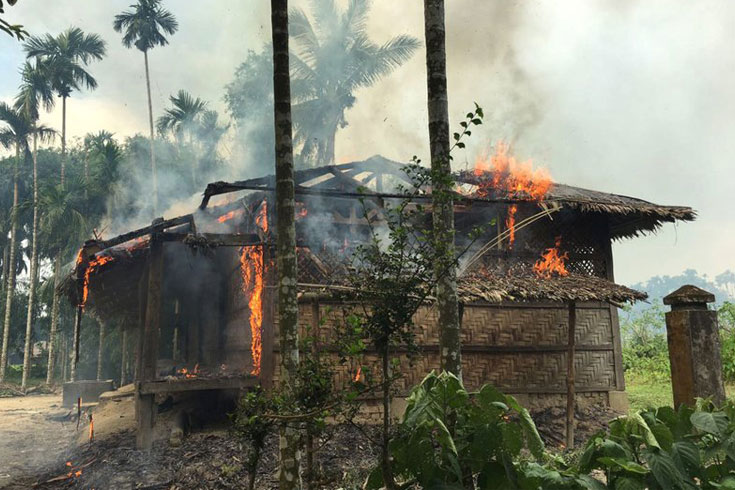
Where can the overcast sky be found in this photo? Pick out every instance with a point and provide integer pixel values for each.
(631, 97)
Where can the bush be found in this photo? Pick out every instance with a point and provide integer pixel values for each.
(448, 437)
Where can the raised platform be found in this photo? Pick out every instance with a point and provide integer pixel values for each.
(88, 390)
(196, 384)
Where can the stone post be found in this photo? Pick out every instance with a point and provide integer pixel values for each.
(694, 346)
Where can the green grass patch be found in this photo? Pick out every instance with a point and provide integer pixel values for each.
(646, 393)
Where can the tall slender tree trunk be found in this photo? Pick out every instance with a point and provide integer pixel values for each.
(10, 283)
(290, 456)
(154, 173)
(63, 141)
(443, 204)
(54, 320)
(27, 350)
(101, 349)
(385, 462)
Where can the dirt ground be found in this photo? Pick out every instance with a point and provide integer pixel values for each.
(38, 438)
(35, 435)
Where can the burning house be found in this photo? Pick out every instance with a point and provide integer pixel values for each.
(537, 291)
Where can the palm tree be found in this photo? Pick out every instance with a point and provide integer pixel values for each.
(67, 55)
(288, 308)
(183, 120)
(35, 91)
(63, 226)
(443, 208)
(18, 127)
(144, 28)
(334, 58)
(184, 117)
(94, 143)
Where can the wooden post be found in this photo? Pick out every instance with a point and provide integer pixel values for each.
(100, 350)
(77, 330)
(571, 402)
(146, 403)
(123, 356)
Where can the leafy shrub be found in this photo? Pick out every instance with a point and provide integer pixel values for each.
(645, 349)
(448, 437)
(251, 424)
(726, 317)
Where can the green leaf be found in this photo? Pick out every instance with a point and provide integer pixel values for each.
(493, 477)
(512, 438)
(728, 483)
(628, 483)
(533, 476)
(456, 136)
(589, 483)
(463, 124)
(374, 480)
(664, 470)
(460, 145)
(477, 121)
(686, 456)
(623, 464)
(710, 422)
(663, 435)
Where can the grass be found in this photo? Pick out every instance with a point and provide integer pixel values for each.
(645, 393)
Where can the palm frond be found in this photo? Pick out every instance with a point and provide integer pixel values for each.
(45, 134)
(370, 65)
(355, 17)
(325, 14)
(305, 39)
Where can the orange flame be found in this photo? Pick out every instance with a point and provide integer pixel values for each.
(503, 174)
(358, 374)
(251, 268)
(552, 262)
(91, 428)
(301, 211)
(189, 374)
(92, 266)
(226, 217)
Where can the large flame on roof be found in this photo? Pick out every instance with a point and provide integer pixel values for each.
(552, 262)
(503, 176)
(94, 264)
(251, 268)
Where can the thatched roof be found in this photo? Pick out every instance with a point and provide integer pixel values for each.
(628, 216)
(492, 287)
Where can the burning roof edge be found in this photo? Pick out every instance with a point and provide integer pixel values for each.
(630, 216)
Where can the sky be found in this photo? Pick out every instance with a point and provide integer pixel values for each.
(624, 96)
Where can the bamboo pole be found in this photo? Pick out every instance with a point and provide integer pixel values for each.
(570, 374)
(77, 331)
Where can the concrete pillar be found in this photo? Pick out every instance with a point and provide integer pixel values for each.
(694, 346)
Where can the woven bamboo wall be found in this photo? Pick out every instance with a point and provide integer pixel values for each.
(520, 348)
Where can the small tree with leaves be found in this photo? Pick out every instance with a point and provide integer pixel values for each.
(393, 274)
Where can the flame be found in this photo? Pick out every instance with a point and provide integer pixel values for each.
(74, 471)
(503, 175)
(510, 224)
(358, 374)
(262, 217)
(226, 216)
(189, 374)
(91, 428)
(301, 211)
(92, 266)
(552, 262)
(251, 269)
